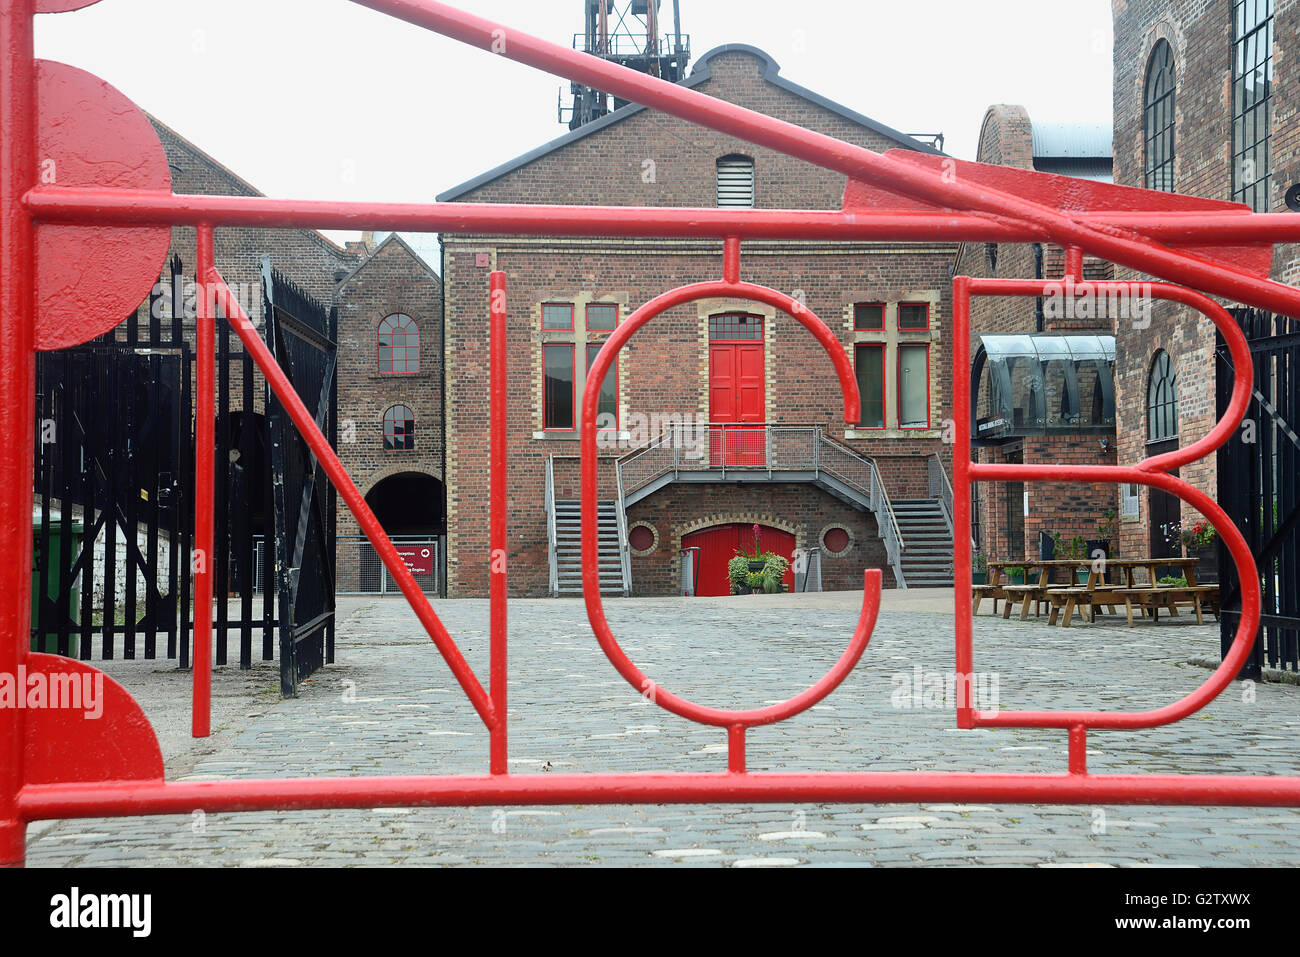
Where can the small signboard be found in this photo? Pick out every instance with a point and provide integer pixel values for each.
(418, 558)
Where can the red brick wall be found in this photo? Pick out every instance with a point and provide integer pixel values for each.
(390, 282)
(682, 509)
(1199, 31)
(665, 368)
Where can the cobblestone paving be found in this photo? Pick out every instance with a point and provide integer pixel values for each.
(390, 706)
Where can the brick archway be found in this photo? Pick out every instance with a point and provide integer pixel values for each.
(680, 531)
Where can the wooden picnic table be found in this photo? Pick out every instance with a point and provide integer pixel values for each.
(1039, 589)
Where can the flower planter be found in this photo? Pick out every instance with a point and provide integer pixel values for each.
(756, 568)
(1016, 578)
(1207, 564)
(979, 578)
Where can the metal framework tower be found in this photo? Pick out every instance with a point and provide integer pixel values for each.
(627, 33)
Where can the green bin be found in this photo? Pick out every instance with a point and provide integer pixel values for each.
(64, 533)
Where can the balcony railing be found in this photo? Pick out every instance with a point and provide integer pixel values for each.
(741, 451)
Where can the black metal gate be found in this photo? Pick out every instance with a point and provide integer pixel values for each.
(1259, 488)
(302, 335)
(114, 488)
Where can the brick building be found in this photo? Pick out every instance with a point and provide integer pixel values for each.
(796, 471)
(1042, 382)
(389, 374)
(1206, 101)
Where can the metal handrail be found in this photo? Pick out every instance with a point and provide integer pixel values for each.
(552, 536)
(624, 551)
(663, 455)
(690, 590)
(812, 557)
(941, 488)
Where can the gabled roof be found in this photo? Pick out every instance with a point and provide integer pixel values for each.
(392, 238)
(703, 72)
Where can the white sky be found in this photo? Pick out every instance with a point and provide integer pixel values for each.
(321, 99)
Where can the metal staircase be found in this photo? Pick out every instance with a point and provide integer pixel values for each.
(564, 544)
(927, 559)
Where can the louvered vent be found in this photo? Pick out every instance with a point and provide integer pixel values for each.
(736, 182)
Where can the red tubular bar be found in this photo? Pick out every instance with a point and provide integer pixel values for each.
(1127, 249)
(57, 204)
(351, 495)
(39, 802)
(1150, 472)
(608, 354)
(499, 760)
(17, 394)
(977, 214)
(205, 441)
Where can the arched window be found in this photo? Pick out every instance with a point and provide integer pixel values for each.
(1158, 103)
(399, 429)
(736, 182)
(1162, 400)
(399, 345)
(1252, 96)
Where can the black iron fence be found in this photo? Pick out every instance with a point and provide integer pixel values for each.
(1259, 488)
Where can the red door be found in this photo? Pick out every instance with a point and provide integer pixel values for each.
(736, 395)
(718, 545)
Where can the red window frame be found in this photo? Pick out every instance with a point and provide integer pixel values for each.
(390, 432)
(557, 305)
(922, 328)
(884, 390)
(928, 396)
(407, 332)
(613, 370)
(602, 305)
(573, 384)
(872, 305)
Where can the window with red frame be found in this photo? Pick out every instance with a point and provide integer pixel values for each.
(602, 316)
(399, 429)
(557, 386)
(607, 408)
(913, 386)
(869, 362)
(913, 316)
(399, 345)
(557, 316)
(869, 316)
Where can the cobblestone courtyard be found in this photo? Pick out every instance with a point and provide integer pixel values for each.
(390, 706)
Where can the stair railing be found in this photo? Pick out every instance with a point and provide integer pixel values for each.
(624, 549)
(941, 489)
(552, 537)
(829, 451)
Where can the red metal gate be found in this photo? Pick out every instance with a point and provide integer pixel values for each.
(100, 241)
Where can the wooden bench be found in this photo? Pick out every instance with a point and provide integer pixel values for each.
(1071, 597)
(1152, 599)
(1024, 594)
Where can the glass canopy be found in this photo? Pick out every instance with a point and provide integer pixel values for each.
(1042, 384)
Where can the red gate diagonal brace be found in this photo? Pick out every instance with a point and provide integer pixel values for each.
(933, 203)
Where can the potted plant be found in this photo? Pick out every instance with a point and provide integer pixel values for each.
(737, 571)
(754, 581)
(979, 574)
(1075, 550)
(1201, 541)
(1015, 575)
(774, 574)
(757, 560)
(1106, 532)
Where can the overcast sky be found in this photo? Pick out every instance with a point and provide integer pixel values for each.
(324, 99)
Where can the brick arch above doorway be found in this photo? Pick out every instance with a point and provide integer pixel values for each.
(740, 517)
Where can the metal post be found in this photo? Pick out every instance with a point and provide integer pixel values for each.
(497, 578)
(18, 386)
(204, 488)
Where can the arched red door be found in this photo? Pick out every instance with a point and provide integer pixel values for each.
(719, 544)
